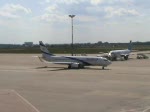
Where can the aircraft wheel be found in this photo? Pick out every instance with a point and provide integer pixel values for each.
(126, 57)
(103, 67)
(69, 66)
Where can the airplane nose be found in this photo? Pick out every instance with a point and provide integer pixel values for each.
(110, 54)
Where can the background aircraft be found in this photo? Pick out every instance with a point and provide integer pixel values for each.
(115, 54)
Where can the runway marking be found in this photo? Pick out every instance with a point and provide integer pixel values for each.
(136, 110)
(26, 101)
(14, 97)
(131, 110)
(146, 109)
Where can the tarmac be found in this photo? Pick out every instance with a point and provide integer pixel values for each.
(124, 86)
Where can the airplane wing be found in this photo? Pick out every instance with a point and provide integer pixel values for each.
(103, 55)
(63, 63)
(124, 54)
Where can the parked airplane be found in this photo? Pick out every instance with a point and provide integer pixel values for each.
(114, 54)
(72, 61)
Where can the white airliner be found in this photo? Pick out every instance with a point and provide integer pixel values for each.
(72, 61)
(114, 54)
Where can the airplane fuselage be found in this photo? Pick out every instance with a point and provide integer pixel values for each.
(119, 53)
(73, 61)
(83, 60)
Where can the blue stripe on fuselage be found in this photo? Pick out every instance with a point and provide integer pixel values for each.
(75, 59)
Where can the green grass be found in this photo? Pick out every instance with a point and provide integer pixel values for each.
(66, 50)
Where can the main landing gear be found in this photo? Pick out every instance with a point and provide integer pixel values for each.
(69, 66)
(126, 57)
(75, 66)
(103, 67)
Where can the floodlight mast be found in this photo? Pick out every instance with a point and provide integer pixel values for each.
(72, 16)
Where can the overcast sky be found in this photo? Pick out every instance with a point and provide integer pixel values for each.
(96, 20)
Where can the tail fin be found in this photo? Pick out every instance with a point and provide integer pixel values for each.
(130, 45)
(44, 50)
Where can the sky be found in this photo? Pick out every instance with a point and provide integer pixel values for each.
(96, 20)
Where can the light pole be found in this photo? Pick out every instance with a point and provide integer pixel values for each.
(72, 16)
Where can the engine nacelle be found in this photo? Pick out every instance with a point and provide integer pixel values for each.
(74, 65)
